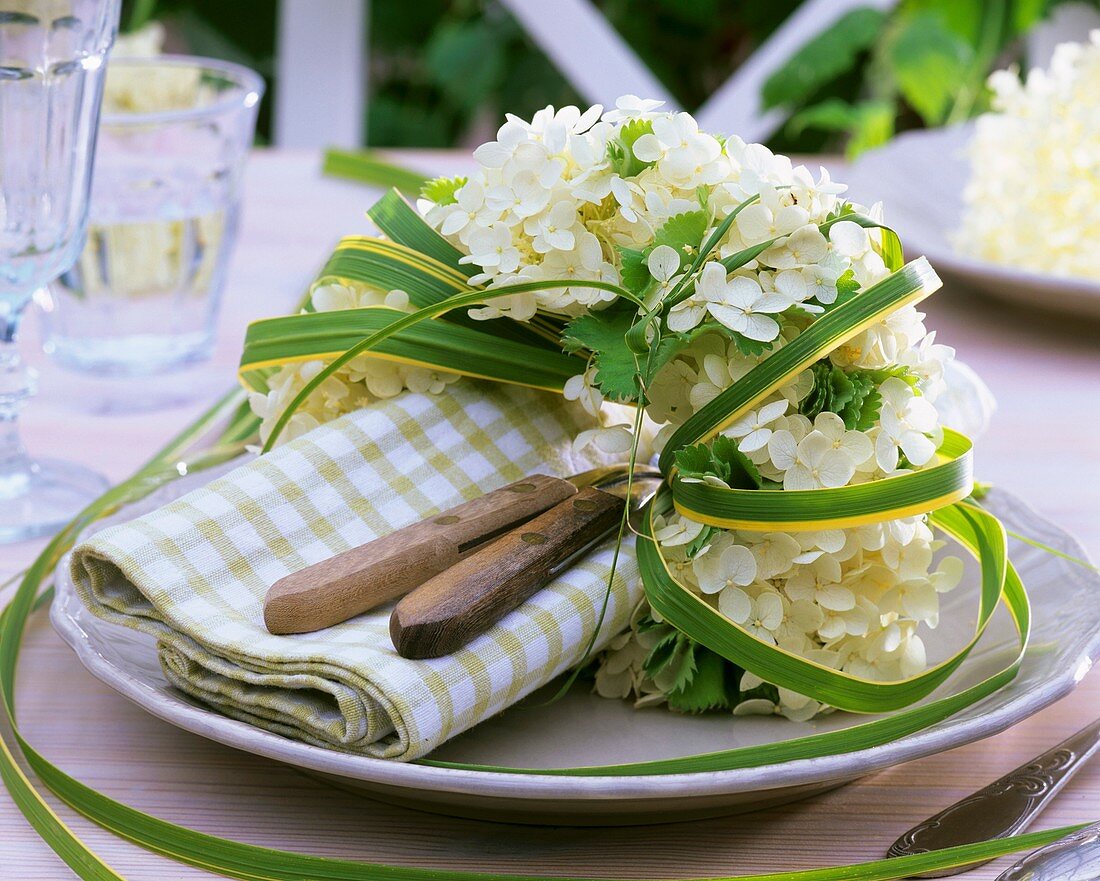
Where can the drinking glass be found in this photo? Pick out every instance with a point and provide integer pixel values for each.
(143, 297)
(52, 57)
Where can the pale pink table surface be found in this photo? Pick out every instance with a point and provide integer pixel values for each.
(1044, 445)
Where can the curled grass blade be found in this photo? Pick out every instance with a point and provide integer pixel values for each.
(458, 301)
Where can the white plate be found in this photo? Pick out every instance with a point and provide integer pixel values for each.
(586, 730)
(920, 177)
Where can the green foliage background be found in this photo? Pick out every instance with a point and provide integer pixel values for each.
(443, 72)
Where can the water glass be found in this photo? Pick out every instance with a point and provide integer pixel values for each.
(143, 296)
(52, 58)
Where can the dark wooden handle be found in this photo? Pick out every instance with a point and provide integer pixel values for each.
(362, 578)
(449, 610)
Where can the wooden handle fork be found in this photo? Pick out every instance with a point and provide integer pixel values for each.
(362, 578)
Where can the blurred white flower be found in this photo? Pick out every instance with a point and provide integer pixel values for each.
(614, 440)
(1032, 199)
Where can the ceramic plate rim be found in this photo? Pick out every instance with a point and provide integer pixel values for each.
(835, 767)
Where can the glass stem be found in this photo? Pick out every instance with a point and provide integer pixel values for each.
(17, 383)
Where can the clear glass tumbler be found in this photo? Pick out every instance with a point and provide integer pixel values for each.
(143, 297)
(52, 59)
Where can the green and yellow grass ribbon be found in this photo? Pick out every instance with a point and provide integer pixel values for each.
(416, 259)
(431, 337)
(236, 859)
(440, 345)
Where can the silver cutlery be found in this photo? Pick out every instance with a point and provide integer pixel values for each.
(1073, 858)
(1007, 807)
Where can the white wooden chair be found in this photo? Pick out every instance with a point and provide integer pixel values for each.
(322, 103)
(322, 73)
(601, 66)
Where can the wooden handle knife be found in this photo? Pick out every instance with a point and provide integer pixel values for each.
(365, 577)
(449, 610)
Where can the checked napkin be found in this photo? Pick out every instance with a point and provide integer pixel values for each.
(194, 573)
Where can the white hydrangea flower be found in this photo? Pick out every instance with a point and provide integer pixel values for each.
(685, 156)
(632, 107)
(754, 428)
(806, 246)
(906, 422)
(676, 530)
(811, 463)
(614, 440)
(773, 216)
(820, 582)
(854, 444)
(723, 564)
(553, 229)
(775, 553)
(761, 616)
(664, 263)
(740, 304)
(583, 388)
(492, 247)
(550, 201)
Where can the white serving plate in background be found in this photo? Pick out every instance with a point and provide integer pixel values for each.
(583, 729)
(919, 177)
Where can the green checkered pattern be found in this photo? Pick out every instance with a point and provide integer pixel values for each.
(194, 573)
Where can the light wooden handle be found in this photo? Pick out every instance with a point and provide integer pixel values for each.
(449, 610)
(362, 578)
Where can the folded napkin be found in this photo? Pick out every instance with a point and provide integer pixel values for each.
(194, 573)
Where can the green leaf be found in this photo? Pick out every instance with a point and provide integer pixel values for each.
(441, 190)
(663, 651)
(683, 233)
(709, 686)
(931, 65)
(740, 469)
(966, 19)
(868, 124)
(466, 61)
(392, 122)
(443, 344)
(695, 461)
(720, 458)
(852, 394)
(683, 664)
(846, 287)
(825, 57)
(1027, 13)
(141, 11)
(620, 151)
(633, 270)
(604, 335)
